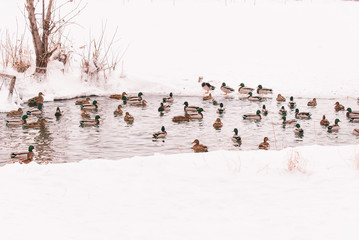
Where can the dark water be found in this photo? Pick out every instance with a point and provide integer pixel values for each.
(63, 140)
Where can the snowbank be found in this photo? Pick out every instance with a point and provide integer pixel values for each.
(216, 195)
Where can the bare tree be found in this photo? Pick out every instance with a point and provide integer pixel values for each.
(45, 28)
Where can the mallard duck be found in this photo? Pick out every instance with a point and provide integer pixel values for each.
(83, 101)
(40, 123)
(197, 115)
(312, 103)
(302, 115)
(324, 122)
(256, 116)
(135, 98)
(280, 98)
(289, 122)
(15, 113)
(161, 134)
(189, 108)
(17, 121)
(209, 97)
(244, 90)
(236, 137)
(338, 107)
(218, 123)
(282, 111)
(180, 119)
(85, 114)
(36, 100)
(169, 99)
(118, 111)
(335, 127)
(291, 103)
(164, 108)
(354, 120)
(264, 145)
(226, 89)
(208, 87)
(141, 103)
(92, 106)
(58, 112)
(356, 131)
(36, 111)
(128, 117)
(199, 147)
(254, 98)
(23, 157)
(221, 109)
(214, 102)
(90, 122)
(264, 110)
(118, 96)
(298, 130)
(261, 90)
(352, 114)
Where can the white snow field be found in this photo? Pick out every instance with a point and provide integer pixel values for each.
(215, 195)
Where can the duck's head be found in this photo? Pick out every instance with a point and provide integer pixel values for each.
(223, 84)
(323, 117)
(164, 100)
(95, 102)
(349, 109)
(241, 85)
(258, 112)
(218, 120)
(140, 94)
(196, 141)
(97, 117)
(296, 110)
(235, 131)
(203, 84)
(266, 139)
(127, 113)
(57, 109)
(31, 148)
(19, 110)
(314, 99)
(119, 106)
(264, 107)
(250, 94)
(163, 128)
(161, 104)
(199, 110)
(124, 97)
(297, 125)
(291, 98)
(336, 121)
(124, 94)
(41, 94)
(221, 105)
(260, 86)
(282, 108)
(185, 103)
(25, 117)
(337, 103)
(171, 95)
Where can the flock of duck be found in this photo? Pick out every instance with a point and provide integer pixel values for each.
(190, 112)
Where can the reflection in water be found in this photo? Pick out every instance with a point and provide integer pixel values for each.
(43, 142)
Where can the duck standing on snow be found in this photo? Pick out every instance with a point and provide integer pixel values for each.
(128, 117)
(217, 124)
(254, 98)
(92, 106)
(280, 98)
(236, 137)
(197, 115)
(356, 131)
(208, 87)
(256, 116)
(221, 109)
(226, 89)
(302, 115)
(264, 145)
(38, 124)
(335, 127)
(289, 122)
(14, 113)
(188, 108)
(83, 101)
(169, 98)
(58, 112)
(291, 103)
(244, 90)
(90, 122)
(352, 114)
(298, 130)
(312, 103)
(118, 111)
(20, 156)
(199, 147)
(282, 111)
(36, 111)
(324, 122)
(164, 108)
(264, 110)
(261, 90)
(35, 101)
(338, 107)
(17, 121)
(161, 134)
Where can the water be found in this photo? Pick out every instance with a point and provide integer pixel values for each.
(63, 140)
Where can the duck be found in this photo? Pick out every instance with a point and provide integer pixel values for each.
(83, 101)
(302, 115)
(164, 108)
(21, 121)
(169, 98)
(298, 130)
(15, 113)
(128, 117)
(85, 114)
(289, 122)
(160, 134)
(261, 90)
(180, 119)
(352, 114)
(312, 103)
(36, 100)
(256, 116)
(58, 112)
(244, 90)
(280, 98)
(40, 123)
(354, 120)
(236, 137)
(90, 122)
(218, 124)
(135, 98)
(221, 109)
(118, 111)
(282, 111)
(226, 89)
(264, 110)
(36, 111)
(335, 127)
(189, 108)
(199, 147)
(92, 106)
(208, 87)
(141, 103)
(197, 115)
(264, 145)
(209, 97)
(356, 131)
(118, 96)
(254, 98)
(214, 102)
(24, 157)
(338, 107)
(291, 103)
(324, 122)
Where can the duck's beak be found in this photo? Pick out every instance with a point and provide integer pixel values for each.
(193, 142)
(203, 110)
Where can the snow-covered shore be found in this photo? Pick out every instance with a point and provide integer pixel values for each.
(215, 195)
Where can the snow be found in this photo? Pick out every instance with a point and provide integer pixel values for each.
(215, 195)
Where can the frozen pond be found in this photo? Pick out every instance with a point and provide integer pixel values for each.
(63, 140)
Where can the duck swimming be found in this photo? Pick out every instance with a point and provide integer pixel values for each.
(118, 111)
(298, 130)
(291, 103)
(352, 114)
(302, 115)
(324, 122)
(236, 137)
(118, 96)
(135, 98)
(280, 98)
(218, 124)
(161, 134)
(169, 99)
(58, 112)
(15, 113)
(282, 111)
(261, 90)
(221, 109)
(356, 131)
(180, 119)
(24, 157)
(141, 103)
(36, 111)
(35, 101)
(254, 98)
(190, 108)
(17, 121)
(226, 89)
(338, 107)
(244, 90)
(198, 115)
(264, 145)
(199, 147)
(335, 127)
(289, 122)
(164, 108)
(92, 106)
(256, 116)
(208, 87)
(40, 123)
(85, 114)
(90, 122)
(128, 117)
(83, 101)
(312, 103)
(264, 110)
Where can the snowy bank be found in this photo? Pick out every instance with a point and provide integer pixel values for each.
(215, 195)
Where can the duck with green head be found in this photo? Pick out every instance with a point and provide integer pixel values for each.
(169, 99)
(254, 98)
(256, 116)
(236, 137)
(164, 108)
(90, 122)
(291, 103)
(261, 90)
(23, 157)
(160, 134)
(36, 111)
(135, 98)
(17, 122)
(221, 109)
(92, 106)
(208, 87)
(352, 114)
(264, 110)
(244, 90)
(289, 122)
(335, 127)
(58, 112)
(302, 115)
(282, 111)
(197, 115)
(188, 108)
(226, 89)
(298, 130)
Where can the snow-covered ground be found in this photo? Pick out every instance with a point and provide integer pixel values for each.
(216, 195)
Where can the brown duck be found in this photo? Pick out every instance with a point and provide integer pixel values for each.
(35, 101)
(15, 113)
(118, 111)
(218, 123)
(199, 147)
(40, 123)
(338, 107)
(280, 98)
(83, 101)
(264, 145)
(324, 122)
(128, 117)
(312, 103)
